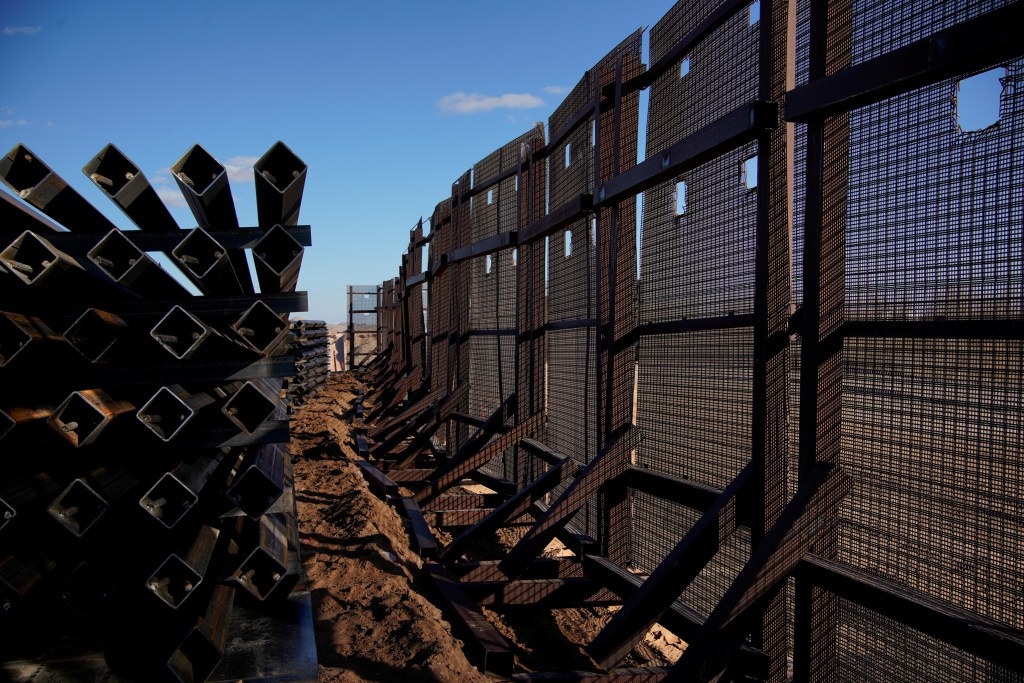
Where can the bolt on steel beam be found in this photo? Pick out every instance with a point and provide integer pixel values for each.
(171, 408)
(199, 652)
(261, 329)
(83, 416)
(261, 555)
(180, 574)
(94, 333)
(84, 502)
(39, 264)
(251, 406)
(21, 494)
(20, 332)
(177, 492)
(127, 186)
(280, 180)
(204, 182)
(34, 182)
(130, 267)
(207, 263)
(184, 335)
(277, 257)
(258, 480)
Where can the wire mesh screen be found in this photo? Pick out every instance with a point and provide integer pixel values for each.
(931, 416)
(710, 585)
(362, 323)
(695, 388)
(574, 375)
(932, 427)
(440, 305)
(414, 307)
(494, 210)
(876, 648)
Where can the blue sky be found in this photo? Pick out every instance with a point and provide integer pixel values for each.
(355, 89)
(388, 104)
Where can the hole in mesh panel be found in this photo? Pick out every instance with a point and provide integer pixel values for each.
(684, 66)
(515, 257)
(748, 173)
(976, 105)
(593, 231)
(754, 15)
(679, 197)
(593, 133)
(568, 154)
(568, 243)
(487, 264)
(490, 196)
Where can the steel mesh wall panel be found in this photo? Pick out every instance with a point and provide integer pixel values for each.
(414, 305)
(876, 648)
(440, 306)
(931, 228)
(700, 264)
(492, 320)
(695, 389)
(881, 26)
(935, 232)
(694, 405)
(710, 585)
(460, 279)
(362, 323)
(575, 375)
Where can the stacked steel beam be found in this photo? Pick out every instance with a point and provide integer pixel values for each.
(312, 360)
(146, 508)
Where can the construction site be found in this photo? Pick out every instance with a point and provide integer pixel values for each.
(715, 375)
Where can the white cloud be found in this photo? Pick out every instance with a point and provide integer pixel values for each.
(240, 169)
(171, 196)
(471, 103)
(555, 89)
(22, 30)
(7, 123)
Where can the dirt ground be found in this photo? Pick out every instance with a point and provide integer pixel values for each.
(374, 619)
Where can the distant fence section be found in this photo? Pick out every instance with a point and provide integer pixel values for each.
(793, 394)
(363, 327)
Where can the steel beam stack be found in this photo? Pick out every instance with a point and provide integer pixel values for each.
(312, 361)
(146, 503)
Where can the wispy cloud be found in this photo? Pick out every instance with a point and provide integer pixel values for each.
(22, 30)
(555, 89)
(9, 119)
(472, 103)
(171, 196)
(240, 169)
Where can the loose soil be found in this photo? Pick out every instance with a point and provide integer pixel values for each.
(373, 611)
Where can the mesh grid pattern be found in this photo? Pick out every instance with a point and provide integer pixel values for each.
(682, 105)
(675, 520)
(931, 438)
(937, 232)
(876, 648)
(700, 264)
(694, 404)
(695, 389)
(881, 26)
(930, 427)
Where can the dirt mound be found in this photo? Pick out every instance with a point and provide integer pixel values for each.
(372, 621)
